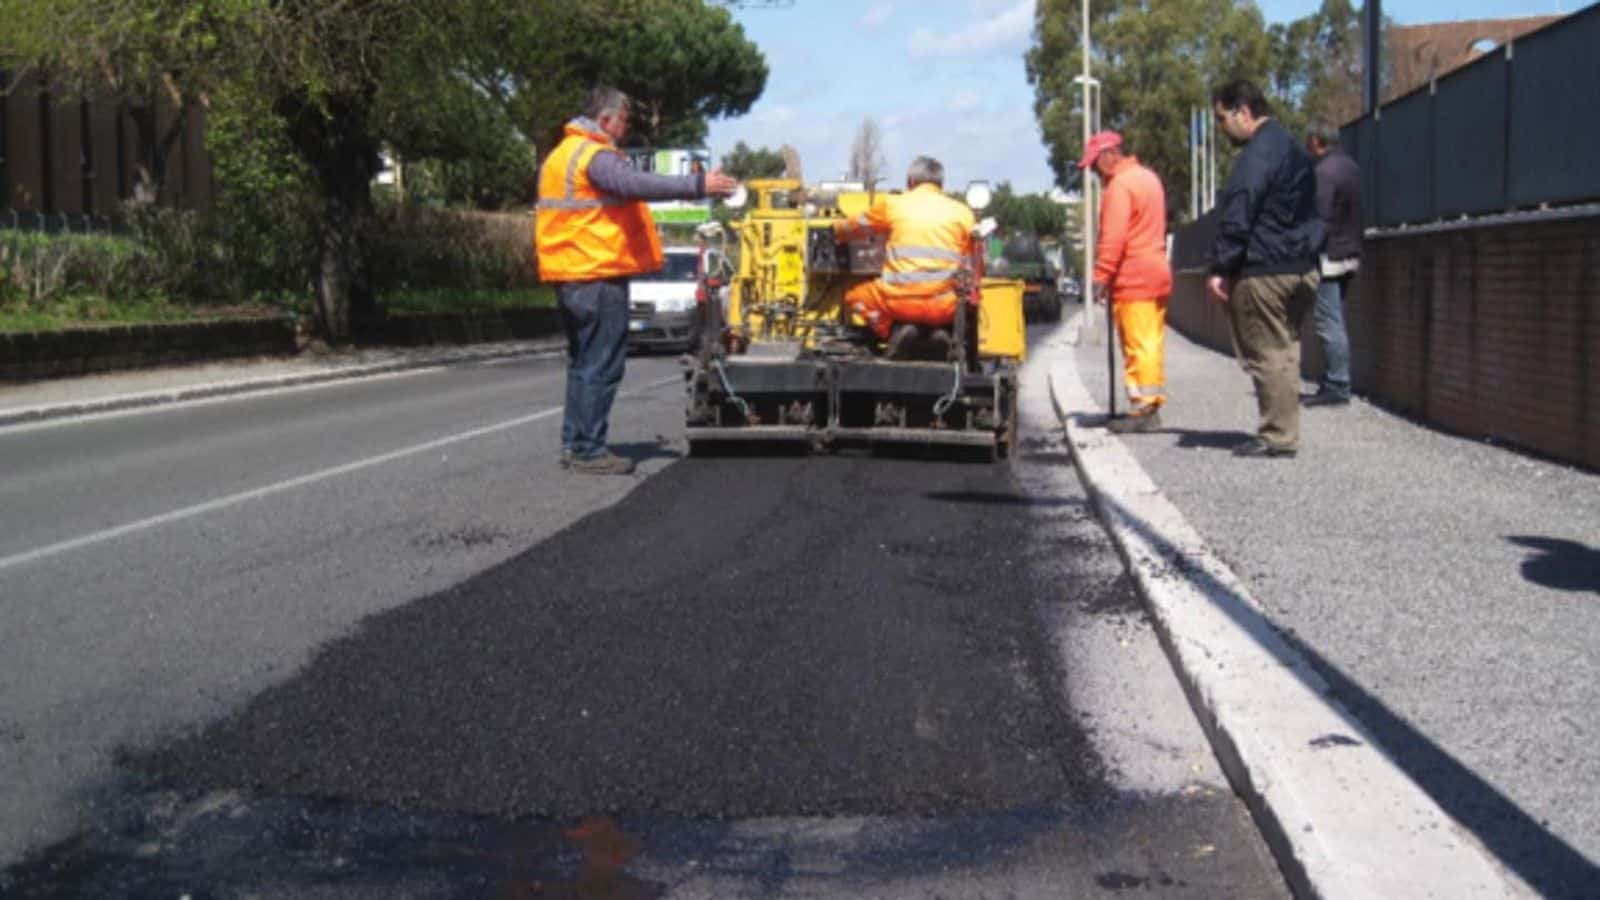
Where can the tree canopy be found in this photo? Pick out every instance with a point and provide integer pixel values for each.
(744, 162)
(1034, 214)
(337, 81)
(1156, 60)
(1317, 64)
(866, 153)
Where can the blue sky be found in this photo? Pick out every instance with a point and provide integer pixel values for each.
(944, 77)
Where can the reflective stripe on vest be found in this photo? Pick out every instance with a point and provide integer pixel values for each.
(581, 233)
(903, 251)
(921, 276)
(928, 237)
(570, 188)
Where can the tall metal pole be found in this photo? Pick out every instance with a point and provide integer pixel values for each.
(1211, 162)
(1090, 117)
(1194, 163)
(1371, 54)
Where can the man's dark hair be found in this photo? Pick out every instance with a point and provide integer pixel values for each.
(605, 99)
(1240, 93)
(1324, 134)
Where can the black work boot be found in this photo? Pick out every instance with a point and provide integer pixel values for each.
(938, 344)
(901, 341)
(1135, 423)
(1326, 397)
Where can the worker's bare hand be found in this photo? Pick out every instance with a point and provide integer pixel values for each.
(719, 184)
(1218, 288)
(1102, 292)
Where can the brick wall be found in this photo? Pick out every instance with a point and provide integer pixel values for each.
(1487, 332)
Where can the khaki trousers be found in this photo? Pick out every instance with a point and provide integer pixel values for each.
(1266, 312)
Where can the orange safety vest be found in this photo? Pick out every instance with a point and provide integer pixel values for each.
(929, 237)
(582, 233)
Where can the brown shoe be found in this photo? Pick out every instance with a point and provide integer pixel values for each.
(1135, 423)
(607, 463)
(1258, 448)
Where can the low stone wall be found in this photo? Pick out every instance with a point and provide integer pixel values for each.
(1490, 332)
(460, 328)
(28, 356)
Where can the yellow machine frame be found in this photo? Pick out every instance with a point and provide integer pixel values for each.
(789, 362)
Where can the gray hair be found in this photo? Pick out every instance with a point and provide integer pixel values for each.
(603, 100)
(1324, 133)
(925, 169)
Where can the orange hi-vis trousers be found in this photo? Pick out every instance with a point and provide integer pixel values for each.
(1142, 325)
(883, 308)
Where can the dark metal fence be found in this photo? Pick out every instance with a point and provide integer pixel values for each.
(1516, 129)
(67, 162)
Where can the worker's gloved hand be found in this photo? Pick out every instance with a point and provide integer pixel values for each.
(1102, 292)
(720, 184)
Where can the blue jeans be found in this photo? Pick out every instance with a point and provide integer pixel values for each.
(595, 314)
(1330, 331)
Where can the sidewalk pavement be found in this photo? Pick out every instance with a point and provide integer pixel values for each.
(1443, 593)
(39, 400)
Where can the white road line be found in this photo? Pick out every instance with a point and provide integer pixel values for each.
(158, 402)
(98, 537)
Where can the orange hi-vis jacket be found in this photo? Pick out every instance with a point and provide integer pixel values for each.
(581, 233)
(929, 235)
(1131, 254)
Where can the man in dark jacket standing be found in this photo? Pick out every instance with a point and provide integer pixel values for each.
(1264, 259)
(1339, 204)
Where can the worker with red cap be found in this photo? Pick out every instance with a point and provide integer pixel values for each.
(1131, 272)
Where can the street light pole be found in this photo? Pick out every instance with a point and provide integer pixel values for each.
(1091, 116)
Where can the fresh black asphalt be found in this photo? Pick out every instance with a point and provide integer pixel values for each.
(753, 676)
(740, 638)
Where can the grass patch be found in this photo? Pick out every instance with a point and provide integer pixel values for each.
(422, 302)
(87, 311)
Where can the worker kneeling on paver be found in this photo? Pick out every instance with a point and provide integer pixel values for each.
(929, 236)
(1131, 272)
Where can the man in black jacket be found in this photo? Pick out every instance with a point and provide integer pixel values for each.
(1264, 259)
(1339, 204)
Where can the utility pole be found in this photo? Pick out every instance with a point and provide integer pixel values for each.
(1371, 55)
(1194, 163)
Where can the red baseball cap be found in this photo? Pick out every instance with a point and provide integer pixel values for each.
(1098, 143)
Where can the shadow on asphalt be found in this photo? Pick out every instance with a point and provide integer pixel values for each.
(640, 451)
(1208, 440)
(988, 498)
(1519, 841)
(1559, 563)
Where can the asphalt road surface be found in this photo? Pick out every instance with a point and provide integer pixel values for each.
(369, 640)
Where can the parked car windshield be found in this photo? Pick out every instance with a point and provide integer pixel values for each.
(679, 267)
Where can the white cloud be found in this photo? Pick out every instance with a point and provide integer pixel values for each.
(1011, 27)
(775, 115)
(876, 15)
(964, 101)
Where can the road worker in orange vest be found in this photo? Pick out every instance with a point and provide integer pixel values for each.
(1132, 273)
(913, 304)
(593, 231)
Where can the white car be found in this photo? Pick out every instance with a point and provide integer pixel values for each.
(661, 305)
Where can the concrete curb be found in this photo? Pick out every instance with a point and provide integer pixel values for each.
(1340, 817)
(119, 402)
